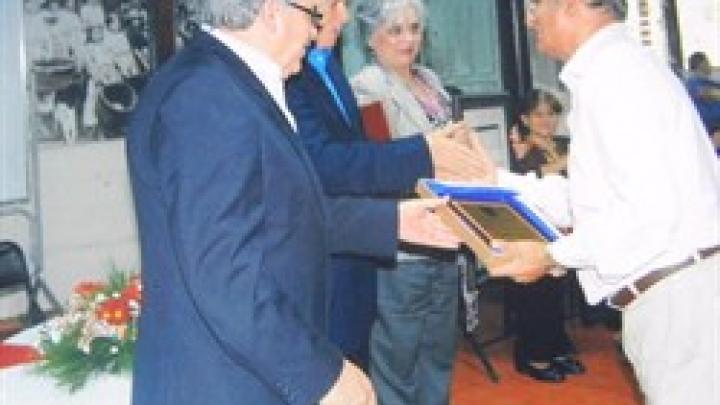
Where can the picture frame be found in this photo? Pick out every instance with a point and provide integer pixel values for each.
(490, 115)
(480, 215)
(87, 61)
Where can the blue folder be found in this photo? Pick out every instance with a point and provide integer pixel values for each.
(489, 194)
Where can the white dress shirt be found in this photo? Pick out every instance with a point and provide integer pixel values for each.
(265, 69)
(644, 183)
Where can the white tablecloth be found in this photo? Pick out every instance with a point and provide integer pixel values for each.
(22, 385)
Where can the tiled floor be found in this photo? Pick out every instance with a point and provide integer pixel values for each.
(609, 379)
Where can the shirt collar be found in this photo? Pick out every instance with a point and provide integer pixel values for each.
(259, 63)
(584, 56)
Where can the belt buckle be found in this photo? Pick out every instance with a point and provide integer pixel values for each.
(609, 303)
(630, 289)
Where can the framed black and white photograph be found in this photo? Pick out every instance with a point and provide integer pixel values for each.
(490, 116)
(87, 61)
(187, 20)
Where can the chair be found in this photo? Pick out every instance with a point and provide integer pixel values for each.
(474, 283)
(14, 274)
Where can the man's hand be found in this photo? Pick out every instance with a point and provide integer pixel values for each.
(351, 388)
(522, 261)
(519, 147)
(457, 154)
(421, 225)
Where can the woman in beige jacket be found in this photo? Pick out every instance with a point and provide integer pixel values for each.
(412, 343)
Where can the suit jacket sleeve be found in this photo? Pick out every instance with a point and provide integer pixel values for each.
(213, 184)
(365, 227)
(354, 166)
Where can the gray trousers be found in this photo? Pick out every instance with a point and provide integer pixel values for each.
(412, 343)
(671, 334)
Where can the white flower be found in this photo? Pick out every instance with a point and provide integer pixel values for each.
(53, 330)
(114, 349)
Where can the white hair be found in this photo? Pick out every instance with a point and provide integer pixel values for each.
(373, 14)
(232, 14)
(617, 8)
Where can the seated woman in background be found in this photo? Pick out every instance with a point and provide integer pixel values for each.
(705, 94)
(543, 349)
(412, 343)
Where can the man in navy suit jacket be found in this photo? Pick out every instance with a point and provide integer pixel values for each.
(331, 129)
(233, 224)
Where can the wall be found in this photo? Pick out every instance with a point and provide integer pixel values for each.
(699, 22)
(12, 104)
(87, 217)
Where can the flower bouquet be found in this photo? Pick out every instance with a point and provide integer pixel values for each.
(97, 335)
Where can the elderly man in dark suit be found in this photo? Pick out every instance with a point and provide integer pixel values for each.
(234, 226)
(331, 129)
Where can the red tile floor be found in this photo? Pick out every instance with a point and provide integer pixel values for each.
(609, 380)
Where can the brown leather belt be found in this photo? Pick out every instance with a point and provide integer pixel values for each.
(627, 294)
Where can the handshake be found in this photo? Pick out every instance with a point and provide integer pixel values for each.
(458, 155)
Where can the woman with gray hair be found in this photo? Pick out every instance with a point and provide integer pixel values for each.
(412, 344)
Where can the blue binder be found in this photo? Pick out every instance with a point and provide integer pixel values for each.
(462, 194)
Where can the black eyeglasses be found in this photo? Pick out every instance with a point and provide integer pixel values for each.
(315, 16)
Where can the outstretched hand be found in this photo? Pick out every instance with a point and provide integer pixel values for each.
(421, 225)
(458, 154)
(523, 261)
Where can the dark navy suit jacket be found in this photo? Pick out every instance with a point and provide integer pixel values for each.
(348, 164)
(236, 235)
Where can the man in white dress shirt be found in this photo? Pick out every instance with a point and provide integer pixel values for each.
(643, 199)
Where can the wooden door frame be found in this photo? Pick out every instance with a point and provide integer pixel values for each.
(162, 19)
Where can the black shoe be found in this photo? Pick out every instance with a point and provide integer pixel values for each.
(549, 373)
(568, 365)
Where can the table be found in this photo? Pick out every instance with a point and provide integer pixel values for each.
(21, 385)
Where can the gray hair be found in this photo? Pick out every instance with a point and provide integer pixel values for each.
(231, 14)
(373, 14)
(618, 8)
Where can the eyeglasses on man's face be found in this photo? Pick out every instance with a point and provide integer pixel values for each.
(315, 15)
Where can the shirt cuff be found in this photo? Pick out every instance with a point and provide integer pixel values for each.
(568, 251)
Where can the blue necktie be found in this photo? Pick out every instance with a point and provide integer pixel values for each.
(318, 59)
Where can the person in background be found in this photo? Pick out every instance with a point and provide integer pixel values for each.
(64, 29)
(543, 349)
(92, 17)
(642, 198)
(137, 33)
(412, 345)
(54, 39)
(108, 60)
(705, 93)
(330, 126)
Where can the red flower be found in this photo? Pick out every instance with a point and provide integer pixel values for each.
(88, 288)
(114, 311)
(133, 291)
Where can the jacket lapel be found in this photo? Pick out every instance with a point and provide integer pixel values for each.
(327, 103)
(346, 94)
(403, 99)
